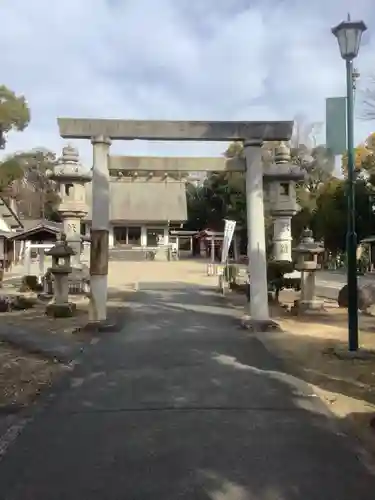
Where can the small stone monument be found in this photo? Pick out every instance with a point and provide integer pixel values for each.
(162, 249)
(307, 262)
(61, 254)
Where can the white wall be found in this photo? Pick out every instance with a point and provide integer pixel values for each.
(166, 235)
(143, 236)
(110, 236)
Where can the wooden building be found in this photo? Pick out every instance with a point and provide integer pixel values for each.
(142, 208)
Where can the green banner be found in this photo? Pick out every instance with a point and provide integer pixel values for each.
(336, 125)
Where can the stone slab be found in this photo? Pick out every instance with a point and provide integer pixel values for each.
(61, 310)
(306, 306)
(361, 354)
(247, 323)
(86, 128)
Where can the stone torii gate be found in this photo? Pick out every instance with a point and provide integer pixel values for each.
(280, 177)
(102, 131)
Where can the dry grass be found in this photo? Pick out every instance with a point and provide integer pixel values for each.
(23, 376)
(310, 341)
(308, 345)
(35, 320)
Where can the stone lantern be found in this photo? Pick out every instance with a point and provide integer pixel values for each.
(307, 262)
(281, 178)
(71, 178)
(61, 254)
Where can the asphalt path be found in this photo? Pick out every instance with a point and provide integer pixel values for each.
(181, 403)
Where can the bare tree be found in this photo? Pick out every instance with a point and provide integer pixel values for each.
(35, 164)
(368, 100)
(24, 177)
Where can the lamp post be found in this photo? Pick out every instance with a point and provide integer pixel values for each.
(348, 34)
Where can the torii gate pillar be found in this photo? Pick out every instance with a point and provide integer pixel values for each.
(99, 231)
(256, 241)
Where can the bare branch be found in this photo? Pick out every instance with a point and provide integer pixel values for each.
(367, 96)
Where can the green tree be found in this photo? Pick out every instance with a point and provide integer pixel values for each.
(222, 195)
(14, 113)
(10, 171)
(364, 158)
(197, 206)
(25, 178)
(329, 220)
(318, 165)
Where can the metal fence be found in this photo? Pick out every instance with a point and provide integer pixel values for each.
(140, 254)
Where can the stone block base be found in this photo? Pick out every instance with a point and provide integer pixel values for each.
(253, 325)
(45, 297)
(100, 327)
(61, 310)
(343, 353)
(161, 254)
(306, 306)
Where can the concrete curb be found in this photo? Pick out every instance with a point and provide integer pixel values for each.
(45, 347)
(11, 409)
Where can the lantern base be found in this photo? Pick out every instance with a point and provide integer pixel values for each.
(259, 326)
(311, 305)
(61, 310)
(100, 327)
(306, 306)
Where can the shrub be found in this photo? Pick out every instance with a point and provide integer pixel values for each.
(275, 277)
(30, 282)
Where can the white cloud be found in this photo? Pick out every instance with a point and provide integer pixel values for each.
(185, 59)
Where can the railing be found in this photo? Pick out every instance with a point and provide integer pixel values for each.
(138, 254)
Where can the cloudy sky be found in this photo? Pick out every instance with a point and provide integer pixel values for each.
(175, 59)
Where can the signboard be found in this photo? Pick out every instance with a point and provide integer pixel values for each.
(336, 125)
(228, 236)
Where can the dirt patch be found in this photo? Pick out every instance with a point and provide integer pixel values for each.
(313, 341)
(36, 320)
(308, 346)
(23, 376)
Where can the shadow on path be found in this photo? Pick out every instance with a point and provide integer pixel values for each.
(183, 404)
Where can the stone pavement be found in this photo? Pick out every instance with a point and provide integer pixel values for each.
(182, 404)
(329, 283)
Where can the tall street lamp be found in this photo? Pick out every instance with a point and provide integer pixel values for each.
(349, 34)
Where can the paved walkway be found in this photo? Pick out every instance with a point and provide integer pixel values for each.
(182, 404)
(329, 283)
